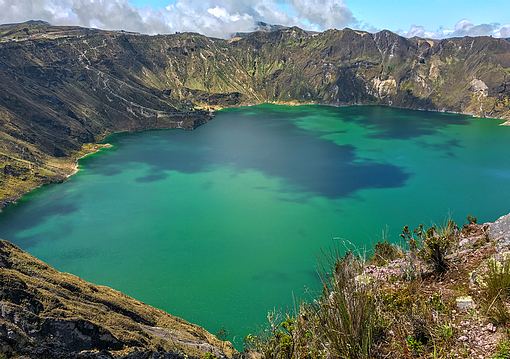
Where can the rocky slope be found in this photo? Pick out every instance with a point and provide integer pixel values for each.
(63, 87)
(48, 314)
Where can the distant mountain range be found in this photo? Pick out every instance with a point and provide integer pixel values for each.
(62, 86)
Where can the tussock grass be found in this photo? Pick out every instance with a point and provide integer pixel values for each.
(497, 291)
(343, 322)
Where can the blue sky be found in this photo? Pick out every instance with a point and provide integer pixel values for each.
(222, 18)
(432, 14)
(402, 14)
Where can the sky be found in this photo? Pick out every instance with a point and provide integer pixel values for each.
(222, 18)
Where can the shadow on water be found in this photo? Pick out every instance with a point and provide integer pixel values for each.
(447, 147)
(262, 140)
(152, 177)
(383, 122)
(24, 218)
(393, 123)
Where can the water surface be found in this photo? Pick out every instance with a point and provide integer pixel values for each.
(224, 223)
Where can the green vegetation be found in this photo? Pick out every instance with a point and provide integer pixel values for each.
(432, 244)
(385, 252)
(343, 323)
(503, 351)
(437, 244)
(372, 309)
(497, 291)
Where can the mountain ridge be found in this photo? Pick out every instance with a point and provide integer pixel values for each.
(64, 88)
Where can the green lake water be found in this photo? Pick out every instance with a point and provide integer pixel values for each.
(222, 224)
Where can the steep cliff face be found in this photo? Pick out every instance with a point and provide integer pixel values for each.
(48, 314)
(62, 87)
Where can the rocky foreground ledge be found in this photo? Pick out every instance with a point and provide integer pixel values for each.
(445, 294)
(461, 313)
(48, 314)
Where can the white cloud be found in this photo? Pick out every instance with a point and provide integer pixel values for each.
(419, 31)
(219, 18)
(504, 31)
(463, 27)
(325, 13)
(211, 17)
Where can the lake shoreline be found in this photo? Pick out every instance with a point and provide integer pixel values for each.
(91, 148)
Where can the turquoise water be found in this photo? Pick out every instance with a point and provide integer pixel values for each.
(222, 224)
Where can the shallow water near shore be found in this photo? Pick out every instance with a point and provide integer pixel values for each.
(222, 224)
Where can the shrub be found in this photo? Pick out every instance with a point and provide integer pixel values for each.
(437, 244)
(432, 244)
(410, 239)
(472, 219)
(412, 272)
(385, 252)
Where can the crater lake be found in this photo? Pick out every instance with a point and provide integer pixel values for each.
(225, 223)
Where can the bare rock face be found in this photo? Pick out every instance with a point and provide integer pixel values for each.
(464, 303)
(499, 232)
(478, 86)
(384, 88)
(48, 314)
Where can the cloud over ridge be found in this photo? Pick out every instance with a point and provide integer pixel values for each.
(218, 18)
(211, 17)
(463, 27)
